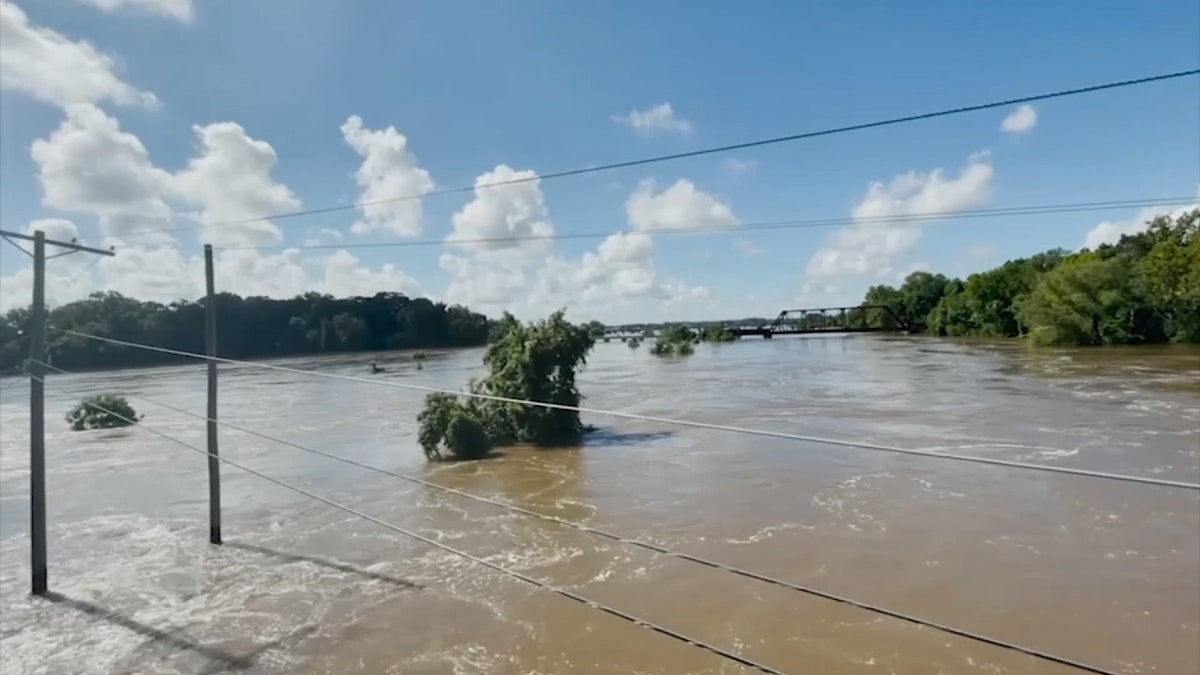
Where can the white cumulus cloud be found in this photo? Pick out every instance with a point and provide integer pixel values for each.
(679, 207)
(657, 119)
(57, 229)
(889, 218)
(503, 258)
(510, 216)
(230, 180)
(89, 165)
(346, 277)
(620, 271)
(1020, 121)
(501, 253)
(497, 237)
(50, 67)
(390, 180)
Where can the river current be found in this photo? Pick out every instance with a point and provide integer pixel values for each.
(1097, 571)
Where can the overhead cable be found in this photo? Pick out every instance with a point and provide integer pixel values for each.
(596, 168)
(1147, 480)
(759, 226)
(719, 651)
(825, 595)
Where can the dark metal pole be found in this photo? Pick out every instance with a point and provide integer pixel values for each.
(210, 347)
(37, 419)
(37, 397)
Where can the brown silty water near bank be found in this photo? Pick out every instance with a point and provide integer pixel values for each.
(1096, 571)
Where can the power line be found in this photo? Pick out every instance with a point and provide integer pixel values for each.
(958, 632)
(87, 268)
(719, 651)
(767, 225)
(784, 224)
(736, 146)
(1159, 482)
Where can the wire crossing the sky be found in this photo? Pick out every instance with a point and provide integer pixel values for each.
(794, 224)
(1146, 480)
(925, 623)
(719, 651)
(892, 121)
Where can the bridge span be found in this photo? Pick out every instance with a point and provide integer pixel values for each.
(856, 319)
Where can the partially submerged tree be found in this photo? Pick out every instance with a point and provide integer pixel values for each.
(529, 362)
(102, 412)
(717, 333)
(446, 422)
(675, 340)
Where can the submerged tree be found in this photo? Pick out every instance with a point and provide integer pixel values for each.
(102, 412)
(675, 340)
(529, 362)
(717, 333)
(446, 422)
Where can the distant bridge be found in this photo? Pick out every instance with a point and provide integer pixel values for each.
(828, 320)
(624, 336)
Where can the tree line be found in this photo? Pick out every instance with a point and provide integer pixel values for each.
(247, 328)
(1145, 289)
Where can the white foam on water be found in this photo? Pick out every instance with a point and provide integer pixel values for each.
(767, 532)
(144, 575)
(843, 500)
(463, 659)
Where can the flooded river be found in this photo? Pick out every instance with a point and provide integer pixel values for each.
(1097, 571)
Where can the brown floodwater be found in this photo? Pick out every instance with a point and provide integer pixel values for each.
(1097, 571)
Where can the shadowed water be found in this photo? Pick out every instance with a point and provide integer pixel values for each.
(1097, 571)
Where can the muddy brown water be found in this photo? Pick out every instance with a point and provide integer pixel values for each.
(1096, 571)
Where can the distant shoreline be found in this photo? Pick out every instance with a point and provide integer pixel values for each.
(183, 360)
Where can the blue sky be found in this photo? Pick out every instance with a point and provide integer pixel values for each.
(535, 85)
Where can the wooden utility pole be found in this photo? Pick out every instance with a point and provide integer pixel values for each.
(210, 348)
(37, 397)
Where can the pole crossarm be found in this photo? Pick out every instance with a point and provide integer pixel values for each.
(61, 244)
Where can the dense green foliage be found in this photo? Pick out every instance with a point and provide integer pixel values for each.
(675, 340)
(713, 333)
(910, 304)
(531, 362)
(678, 340)
(1144, 289)
(251, 327)
(447, 423)
(102, 412)
(595, 329)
